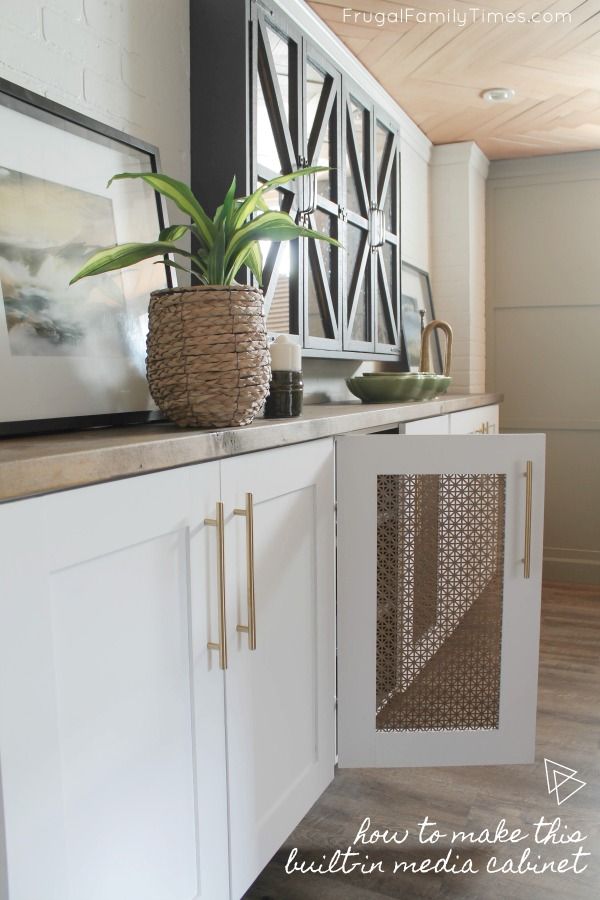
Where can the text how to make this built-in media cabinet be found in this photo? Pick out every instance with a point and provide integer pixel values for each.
(168, 641)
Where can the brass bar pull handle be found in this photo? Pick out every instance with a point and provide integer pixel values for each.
(528, 504)
(219, 523)
(250, 628)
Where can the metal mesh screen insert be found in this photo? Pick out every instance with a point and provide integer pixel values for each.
(440, 561)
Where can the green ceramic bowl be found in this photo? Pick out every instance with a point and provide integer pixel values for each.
(397, 387)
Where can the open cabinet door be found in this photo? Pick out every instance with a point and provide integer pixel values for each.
(439, 584)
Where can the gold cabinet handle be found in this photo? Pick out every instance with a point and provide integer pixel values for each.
(250, 628)
(528, 503)
(219, 523)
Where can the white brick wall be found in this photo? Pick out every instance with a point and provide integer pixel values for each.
(124, 62)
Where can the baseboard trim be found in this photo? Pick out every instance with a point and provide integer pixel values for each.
(575, 566)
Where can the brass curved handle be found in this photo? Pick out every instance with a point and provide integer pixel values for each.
(425, 364)
(219, 523)
(250, 628)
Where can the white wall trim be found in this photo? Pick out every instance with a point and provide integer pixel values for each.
(317, 29)
(559, 166)
(565, 564)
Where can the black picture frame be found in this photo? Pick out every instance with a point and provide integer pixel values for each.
(424, 304)
(41, 109)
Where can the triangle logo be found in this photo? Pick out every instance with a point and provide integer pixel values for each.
(561, 781)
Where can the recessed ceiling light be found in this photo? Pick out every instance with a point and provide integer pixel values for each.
(498, 95)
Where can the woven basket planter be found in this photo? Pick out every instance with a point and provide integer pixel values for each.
(207, 360)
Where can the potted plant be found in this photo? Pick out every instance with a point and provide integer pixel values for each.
(207, 359)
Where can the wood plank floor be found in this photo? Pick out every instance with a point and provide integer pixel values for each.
(473, 798)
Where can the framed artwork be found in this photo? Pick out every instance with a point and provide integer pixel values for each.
(71, 357)
(417, 311)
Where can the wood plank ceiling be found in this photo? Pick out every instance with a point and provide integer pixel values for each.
(436, 70)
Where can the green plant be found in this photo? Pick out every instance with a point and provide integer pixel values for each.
(222, 245)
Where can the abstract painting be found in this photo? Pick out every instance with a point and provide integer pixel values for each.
(47, 231)
(71, 356)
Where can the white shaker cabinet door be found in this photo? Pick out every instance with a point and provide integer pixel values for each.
(439, 583)
(280, 695)
(112, 744)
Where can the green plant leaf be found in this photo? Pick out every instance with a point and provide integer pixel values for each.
(255, 200)
(272, 226)
(216, 259)
(299, 173)
(172, 265)
(181, 195)
(124, 255)
(223, 213)
(224, 244)
(254, 261)
(174, 232)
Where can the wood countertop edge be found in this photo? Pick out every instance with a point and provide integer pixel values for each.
(31, 466)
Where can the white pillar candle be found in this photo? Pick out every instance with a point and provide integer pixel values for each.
(286, 354)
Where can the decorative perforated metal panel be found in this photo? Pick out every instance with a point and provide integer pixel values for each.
(440, 561)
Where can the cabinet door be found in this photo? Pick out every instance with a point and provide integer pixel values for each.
(357, 281)
(386, 240)
(280, 696)
(277, 150)
(112, 740)
(439, 581)
(322, 147)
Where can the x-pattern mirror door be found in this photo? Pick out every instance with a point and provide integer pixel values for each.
(277, 120)
(322, 126)
(358, 319)
(386, 250)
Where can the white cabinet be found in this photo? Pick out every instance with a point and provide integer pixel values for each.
(481, 420)
(439, 583)
(280, 696)
(112, 737)
(135, 767)
(431, 425)
(167, 691)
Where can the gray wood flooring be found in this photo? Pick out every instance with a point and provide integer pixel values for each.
(473, 798)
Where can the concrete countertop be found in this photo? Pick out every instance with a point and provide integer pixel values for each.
(38, 465)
